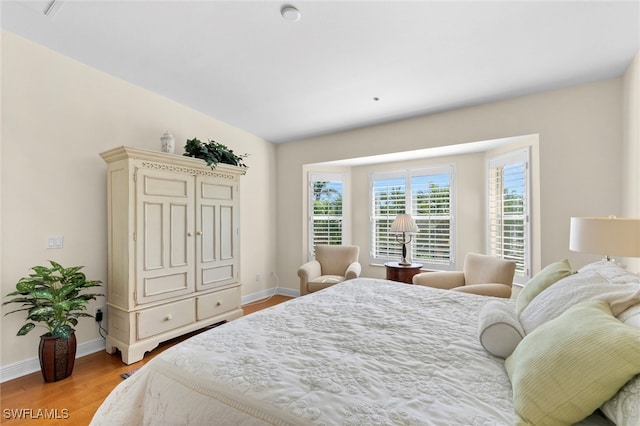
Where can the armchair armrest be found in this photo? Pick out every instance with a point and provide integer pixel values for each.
(444, 280)
(353, 271)
(496, 290)
(310, 270)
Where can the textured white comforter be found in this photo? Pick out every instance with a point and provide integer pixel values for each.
(363, 352)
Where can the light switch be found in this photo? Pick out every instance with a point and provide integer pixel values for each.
(55, 242)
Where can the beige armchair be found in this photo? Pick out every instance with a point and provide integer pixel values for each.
(481, 274)
(332, 265)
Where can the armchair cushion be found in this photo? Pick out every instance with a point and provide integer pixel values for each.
(336, 259)
(323, 281)
(444, 280)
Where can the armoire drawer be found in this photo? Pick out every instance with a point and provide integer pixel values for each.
(217, 303)
(153, 321)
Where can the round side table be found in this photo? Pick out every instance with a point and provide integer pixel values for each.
(402, 273)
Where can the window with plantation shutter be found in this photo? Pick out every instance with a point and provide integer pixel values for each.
(326, 218)
(508, 210)
(427, 195)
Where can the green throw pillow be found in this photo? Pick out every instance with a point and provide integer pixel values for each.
(568, 367)
(540, 281)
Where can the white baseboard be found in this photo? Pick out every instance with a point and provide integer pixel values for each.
(31, 365)
(250, 298)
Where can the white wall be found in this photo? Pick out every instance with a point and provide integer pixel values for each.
(631, 147)
(57, 116)
(580, 152)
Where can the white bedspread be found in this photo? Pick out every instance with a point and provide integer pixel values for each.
(363, 352)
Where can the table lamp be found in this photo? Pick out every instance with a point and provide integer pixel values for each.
(404, 224)
(610, 236)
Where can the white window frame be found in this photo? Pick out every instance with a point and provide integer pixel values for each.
(496, 213)
(325, 177)
(411, 208)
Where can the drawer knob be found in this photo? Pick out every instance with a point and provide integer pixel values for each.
(169, 317)
(218, 303)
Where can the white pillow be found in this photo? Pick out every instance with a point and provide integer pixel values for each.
(631, 316)
(617, 287)
(499, 329)
(624, 408)
(613, 272)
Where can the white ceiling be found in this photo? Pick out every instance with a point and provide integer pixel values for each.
(242, 63)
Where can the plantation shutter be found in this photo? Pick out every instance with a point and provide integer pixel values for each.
(432, 210)
(326, 220)
(425, 194)
(508, 210)
(389, 200)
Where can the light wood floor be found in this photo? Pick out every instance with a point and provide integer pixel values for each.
(77, 397)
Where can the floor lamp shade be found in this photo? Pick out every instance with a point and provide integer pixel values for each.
(609, 236)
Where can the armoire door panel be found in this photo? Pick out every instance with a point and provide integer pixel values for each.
(217, 252)
(179, 235)
(166, 186)
(153, 236)
(218, 275)
(215, 191)
(167, 241)
(161, 285)
(208, 237)
(226, 233)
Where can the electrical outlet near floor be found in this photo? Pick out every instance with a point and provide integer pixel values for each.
(98, 313)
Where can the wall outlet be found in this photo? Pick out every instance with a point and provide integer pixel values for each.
(257, 278)
(99, 314)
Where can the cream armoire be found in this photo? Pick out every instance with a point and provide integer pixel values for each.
(174, 250)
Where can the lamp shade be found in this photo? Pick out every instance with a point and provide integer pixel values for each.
(404, 223)
(610, 236)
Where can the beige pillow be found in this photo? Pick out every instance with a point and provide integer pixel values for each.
(586, 285)
(570, 366)
(540, 281)
(499, 330)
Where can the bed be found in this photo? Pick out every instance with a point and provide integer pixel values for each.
(362, 352)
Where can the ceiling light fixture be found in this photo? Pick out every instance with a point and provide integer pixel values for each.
(290, 13)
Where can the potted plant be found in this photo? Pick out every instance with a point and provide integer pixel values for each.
(213, 153)
(52, 295)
